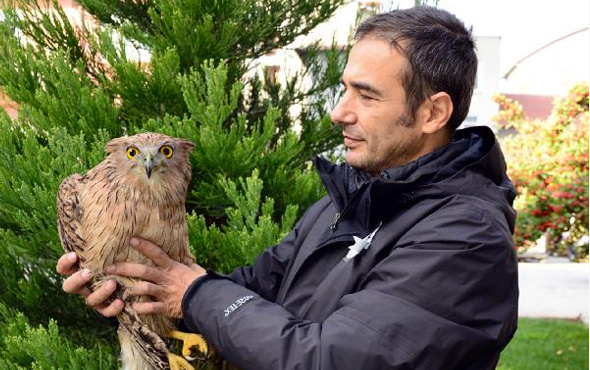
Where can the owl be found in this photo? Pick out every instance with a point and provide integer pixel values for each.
(139, 189)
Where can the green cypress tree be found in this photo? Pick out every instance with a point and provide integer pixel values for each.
(78, 87)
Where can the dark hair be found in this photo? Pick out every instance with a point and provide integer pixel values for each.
(440, 51)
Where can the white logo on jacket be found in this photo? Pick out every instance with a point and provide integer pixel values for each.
(237, 304)
(360, 244)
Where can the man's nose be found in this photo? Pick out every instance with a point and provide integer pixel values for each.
(343, 113)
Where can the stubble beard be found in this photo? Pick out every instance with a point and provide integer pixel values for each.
(401, 154)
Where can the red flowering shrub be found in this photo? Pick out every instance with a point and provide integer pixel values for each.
(548, 163)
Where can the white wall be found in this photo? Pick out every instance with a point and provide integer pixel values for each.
(482, 107)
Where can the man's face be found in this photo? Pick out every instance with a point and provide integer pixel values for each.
(378, 130)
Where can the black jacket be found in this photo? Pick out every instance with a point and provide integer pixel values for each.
(435, 289)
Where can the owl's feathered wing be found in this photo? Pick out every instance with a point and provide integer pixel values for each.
(133, 333)
(69, 212)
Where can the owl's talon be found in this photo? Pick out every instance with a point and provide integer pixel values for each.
(178, 363)
(190, 341)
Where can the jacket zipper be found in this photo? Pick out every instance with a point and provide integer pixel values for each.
(338, 215)
(334, 224)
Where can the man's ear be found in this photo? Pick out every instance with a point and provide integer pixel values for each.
(438, 110)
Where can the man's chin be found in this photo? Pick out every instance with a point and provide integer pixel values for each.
(355, 160)
(361, 163)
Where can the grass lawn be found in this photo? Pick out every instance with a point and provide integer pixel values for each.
(546, 345)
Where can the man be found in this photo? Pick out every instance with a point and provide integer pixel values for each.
(407, 263)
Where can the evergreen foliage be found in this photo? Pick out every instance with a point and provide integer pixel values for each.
(79, 86)
(23, 346)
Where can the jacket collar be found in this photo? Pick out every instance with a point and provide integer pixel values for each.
(472, 148)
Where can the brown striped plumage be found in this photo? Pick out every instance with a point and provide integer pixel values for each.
(120, 198)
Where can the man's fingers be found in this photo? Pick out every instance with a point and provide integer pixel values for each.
(151, 251)
(135, 270)
(145, 288)
(149, 308)
(67, 264)
(100, 295)
(111, 310)
(76, 283)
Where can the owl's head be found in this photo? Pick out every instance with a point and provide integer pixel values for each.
(151, 157)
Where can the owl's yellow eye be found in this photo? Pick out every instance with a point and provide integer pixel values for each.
(166, 151)
(132, 152)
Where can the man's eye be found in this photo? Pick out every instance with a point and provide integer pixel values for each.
(366, 97)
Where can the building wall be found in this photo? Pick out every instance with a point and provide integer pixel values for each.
(8, 106)
(554, 69)
(482, 107)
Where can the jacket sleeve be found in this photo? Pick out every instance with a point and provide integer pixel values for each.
(266, 274)
(437, 301)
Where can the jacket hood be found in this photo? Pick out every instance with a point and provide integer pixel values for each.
(471, 164)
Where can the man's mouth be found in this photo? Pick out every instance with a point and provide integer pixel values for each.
(350, 141)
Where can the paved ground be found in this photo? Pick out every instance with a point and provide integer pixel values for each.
(554, 290)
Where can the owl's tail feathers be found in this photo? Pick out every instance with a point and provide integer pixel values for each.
(141, 348)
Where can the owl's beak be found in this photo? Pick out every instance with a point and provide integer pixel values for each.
(149, 165)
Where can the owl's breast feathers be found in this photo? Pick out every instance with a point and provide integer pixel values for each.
(99, 213)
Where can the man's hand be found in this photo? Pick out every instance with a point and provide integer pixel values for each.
(166, 283)
(77, 281)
